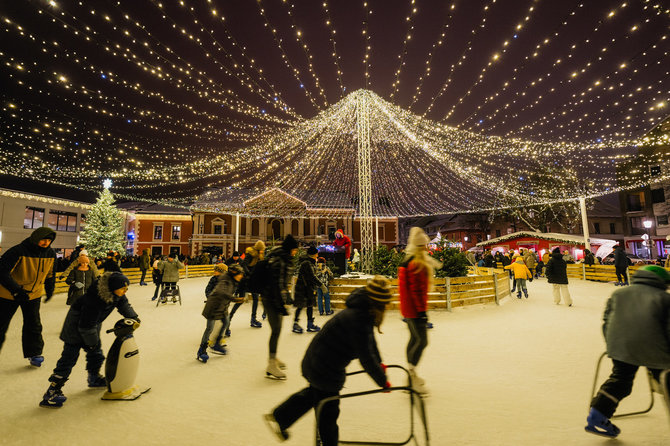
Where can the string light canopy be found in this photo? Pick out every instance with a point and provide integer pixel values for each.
(474, 106)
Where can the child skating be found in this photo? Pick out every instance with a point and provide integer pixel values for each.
(637, 332)
(521, 274)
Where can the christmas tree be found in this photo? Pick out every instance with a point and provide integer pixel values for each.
(104, 227)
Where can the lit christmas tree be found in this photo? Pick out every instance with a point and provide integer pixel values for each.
(104, 226)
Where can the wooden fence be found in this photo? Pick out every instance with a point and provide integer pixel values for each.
(134, 275)
(596, 273)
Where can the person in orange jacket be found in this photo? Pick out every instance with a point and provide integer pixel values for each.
(521, 273)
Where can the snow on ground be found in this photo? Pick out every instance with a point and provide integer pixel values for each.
(515, 374)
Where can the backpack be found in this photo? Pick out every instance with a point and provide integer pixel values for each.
(260, 277)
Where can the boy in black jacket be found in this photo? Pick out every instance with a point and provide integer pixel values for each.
(81, 330)
(347, 336)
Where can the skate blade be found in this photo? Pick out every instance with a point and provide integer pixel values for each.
(594, 431)
(276, 378)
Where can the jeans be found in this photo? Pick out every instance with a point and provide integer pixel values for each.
(68, 359)
(521, 285)
(275, 320)
(418, 339)
(301, 402)
(225, 323)
(31, 336)
(617, 387)
(321, 299)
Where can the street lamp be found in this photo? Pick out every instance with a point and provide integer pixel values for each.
(647, 225)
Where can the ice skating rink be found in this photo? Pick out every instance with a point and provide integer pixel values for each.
(515, 374)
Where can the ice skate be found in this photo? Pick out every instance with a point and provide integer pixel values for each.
(219, 349)
(525, 293)
(202, 355)
(255, 323)
(297, 328)
(281, 434)
(227, 335)
(518, 295)
(273, 371)
(417, 383)
(96, 380)
(36, 361)
(599, 424)
(280, 364)
(53, 399)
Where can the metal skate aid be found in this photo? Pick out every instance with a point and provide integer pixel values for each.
(414, 399)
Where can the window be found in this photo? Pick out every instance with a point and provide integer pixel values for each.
(158, 231)
(498, 233)
(176, 232)
(156, 251)
(382, 233)
(612, 228)
(255, 228)
(634, 203)
(636, 222)
(661, 219)
(657, 196)
(82, 222)
(217, 229)
(34, 218)
(596, 228)
(655, 170)
(62, 221)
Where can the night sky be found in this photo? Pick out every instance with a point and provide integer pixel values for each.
(144, 83)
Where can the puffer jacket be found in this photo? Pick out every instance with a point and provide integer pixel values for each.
(637, 322)
(220, 298)
(413, 289)
(307, 283)
(84, 277)
(519, 269)
(170, 270)
(280, 264)
(557, 270)
(84, 319)
(29, 266)
(529, 260)
(346, 336)
(145, 260)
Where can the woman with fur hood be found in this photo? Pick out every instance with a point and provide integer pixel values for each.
(252, 256)
(81, 330)
(415, 279)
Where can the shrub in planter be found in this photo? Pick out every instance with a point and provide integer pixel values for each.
(386, 261)
(454, 262)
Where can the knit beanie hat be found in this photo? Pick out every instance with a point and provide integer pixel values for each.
(236, 253)
(417, 237)
(289, 243)
(312, 250)
(235, 269)
(117, 281)
(221, 268)
(379, 289)
(259, 246)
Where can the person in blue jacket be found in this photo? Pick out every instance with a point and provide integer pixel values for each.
(345, 337)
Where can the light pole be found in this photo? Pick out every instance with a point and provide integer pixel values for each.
(647, 225)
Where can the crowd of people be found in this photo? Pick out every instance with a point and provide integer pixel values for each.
(636, 320)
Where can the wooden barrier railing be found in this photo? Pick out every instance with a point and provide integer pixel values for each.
(596, 273)
(134, 275)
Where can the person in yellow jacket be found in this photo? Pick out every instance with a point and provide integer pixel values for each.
(521, 273)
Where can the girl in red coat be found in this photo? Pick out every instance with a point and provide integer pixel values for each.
(415, 277)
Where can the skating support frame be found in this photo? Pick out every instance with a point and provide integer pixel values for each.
(654, 387)
(414, 399)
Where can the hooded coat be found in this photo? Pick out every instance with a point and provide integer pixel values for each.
(280, 264)
(637, 322)
(307, 283)
(557, 269)
(343, 242)
(28, 266)
(219, 299)
(84, 320)
(346, 336)
(170, 270)
(84, 277)
(621, 260)
(145, 260)
(519, 269)
(413, 286)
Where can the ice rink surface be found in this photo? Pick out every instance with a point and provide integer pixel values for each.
(515, 374)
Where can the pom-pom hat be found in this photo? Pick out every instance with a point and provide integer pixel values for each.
(379, 289)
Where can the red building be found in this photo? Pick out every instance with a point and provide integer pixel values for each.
(542, 242)
(160, 229)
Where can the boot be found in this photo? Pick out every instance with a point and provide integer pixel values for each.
(36, 361)
(525, 293)
(280, 364)
(202, 355)
(273, 371)
(311, 327)
(255, 323)
(297, 328)
(96, 380)
(219, 349)
(54, 398)
(518, 294)
(418, 384)
(280, 433)
(599, 424)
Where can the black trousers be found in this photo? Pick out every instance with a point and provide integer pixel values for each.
(31, 337)
(418, 339)
(144, 274)
(621, 275)
(617, 387)
(301, 402)
(275, 321)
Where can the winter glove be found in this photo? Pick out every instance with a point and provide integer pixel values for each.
(21, 296)
(384, 366)
(48, 298)
(79, 285)
(530, 279)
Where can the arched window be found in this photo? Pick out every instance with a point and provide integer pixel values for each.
(276, 229)
(294, 228)
(255, 228)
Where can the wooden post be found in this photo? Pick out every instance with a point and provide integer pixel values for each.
(495, 288)
(186, 273)
(447, 284)
(583, 271)
(237, 231)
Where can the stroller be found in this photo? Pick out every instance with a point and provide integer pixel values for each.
(169, 293)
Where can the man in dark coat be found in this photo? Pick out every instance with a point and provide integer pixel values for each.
(275, 296)
(345, 337)
(27, 271)
(621, 262)
(144, 264)
(81, 330)
(305, 290)
(557, 274)
(637, 332)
